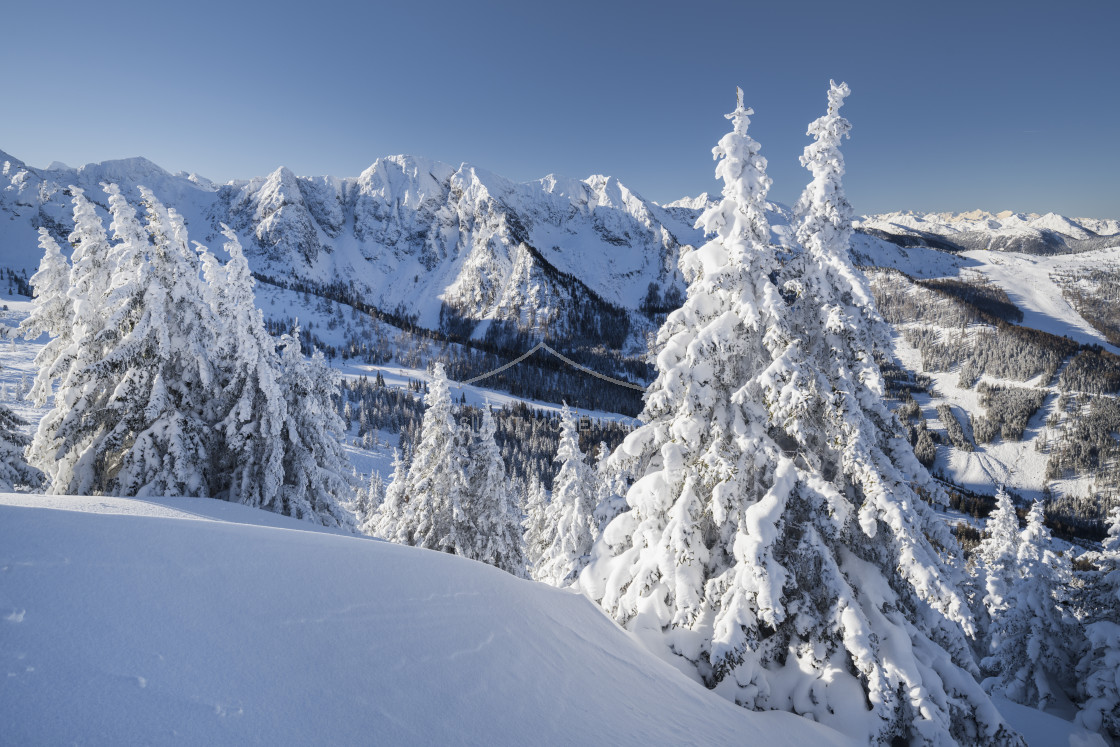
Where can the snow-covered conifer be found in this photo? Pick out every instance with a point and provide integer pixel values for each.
(384, 520)
(317, 482)
(248, 405)
(90, 275)
(374, 495)
(436, 493)
(1030, 641)
(538, 532)
(998, 557)
(571, 511)
(494, 535)
(52, 313)
(774, 540)
(1099, 669)
(128, 416)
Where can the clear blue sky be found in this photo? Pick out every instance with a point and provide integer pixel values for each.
(955, 106)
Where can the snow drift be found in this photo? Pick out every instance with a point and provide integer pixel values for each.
(195, 620)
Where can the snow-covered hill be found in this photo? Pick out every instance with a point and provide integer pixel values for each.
(202, 622)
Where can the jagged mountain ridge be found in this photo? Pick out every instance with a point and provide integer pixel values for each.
(461, 247)
(421, 237)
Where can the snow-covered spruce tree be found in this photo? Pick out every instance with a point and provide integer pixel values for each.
(538, 532)
(997, 560)
(1030, 640)
(384, 520)
(772, 542)
(494, 534)
(317, 483)
(247, 403)
(571, 512)
(433, 514)
(611, 486)
(129, 412)
(371, 498)
(1099, 669)
(88, 284)
(52, 313)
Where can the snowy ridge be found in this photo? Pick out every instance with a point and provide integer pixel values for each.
(414, 235)
(1007, 231)
(410, 234)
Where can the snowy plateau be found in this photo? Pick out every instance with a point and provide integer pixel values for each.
(203, 622)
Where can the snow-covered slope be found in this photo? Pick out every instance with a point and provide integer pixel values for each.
(202, 622)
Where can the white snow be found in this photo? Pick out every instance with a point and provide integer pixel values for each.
(197, 621)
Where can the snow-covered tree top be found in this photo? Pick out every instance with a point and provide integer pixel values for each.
(739, 219)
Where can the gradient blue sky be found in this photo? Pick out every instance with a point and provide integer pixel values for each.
(954, 106)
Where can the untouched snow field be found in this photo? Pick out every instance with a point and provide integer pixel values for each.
(201, 622)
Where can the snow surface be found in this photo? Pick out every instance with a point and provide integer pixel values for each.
(197, 621)
(1028, 281)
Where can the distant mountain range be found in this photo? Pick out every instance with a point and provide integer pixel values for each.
(458, 246)
(1028, 233)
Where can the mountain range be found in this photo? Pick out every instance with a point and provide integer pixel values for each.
(461, 247)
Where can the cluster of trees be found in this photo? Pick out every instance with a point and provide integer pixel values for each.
(953, 428)
(1095, 293)
(967, 324)
(945, 302)
(914, 425)
(165, 381)
(1086, 442)
(1004, 352)
(17, 282)
(455, 495)
(986, 300)
(1047, 632)
(1092, 371)
(528, 437)
(776, 533)
(1008, 408)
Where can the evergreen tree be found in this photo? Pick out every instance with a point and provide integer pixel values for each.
(998, 557)
(316, 483)
(773, 541)
(493, 516)
(1099, 669)
(1029, 643)
(248, 405)
(52, 313)
(571, 510)
(79, 346)
(374, 496)
(128, 416)
(539, 534)
(434, 514)
(385, 520)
